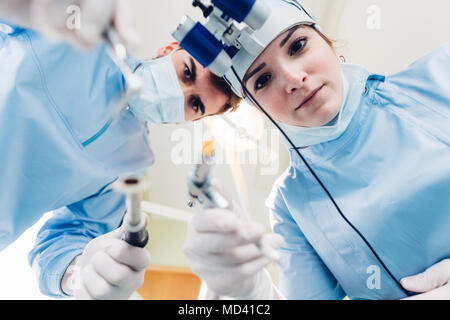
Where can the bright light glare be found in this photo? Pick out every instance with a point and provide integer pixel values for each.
(238, 131)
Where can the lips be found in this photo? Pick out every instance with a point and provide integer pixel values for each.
(309, 97)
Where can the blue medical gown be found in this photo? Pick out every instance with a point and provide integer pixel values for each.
(58, 150)
(389, 173)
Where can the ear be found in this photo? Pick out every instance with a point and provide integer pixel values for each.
(164, 51)
(339, 57)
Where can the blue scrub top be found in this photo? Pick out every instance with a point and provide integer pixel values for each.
(58, 150)
(389, 172)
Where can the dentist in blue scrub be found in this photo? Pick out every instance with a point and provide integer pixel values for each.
(60, 151)
(380, 145)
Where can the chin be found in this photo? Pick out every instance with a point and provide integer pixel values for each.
(322, 116)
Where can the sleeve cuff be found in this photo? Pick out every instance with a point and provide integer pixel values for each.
(50, 278)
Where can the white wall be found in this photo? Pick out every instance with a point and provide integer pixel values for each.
(409, 30)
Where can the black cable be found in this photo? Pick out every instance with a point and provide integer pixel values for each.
(320, 182)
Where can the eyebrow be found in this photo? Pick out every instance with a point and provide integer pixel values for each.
(193, 70)
(193, 78)
(262, 65)
(202, 106)
(253, 72)
(288, 36)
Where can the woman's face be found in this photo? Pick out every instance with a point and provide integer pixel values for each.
(297, 64)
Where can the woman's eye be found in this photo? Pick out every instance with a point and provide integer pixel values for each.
(297, 46)
(261, 82)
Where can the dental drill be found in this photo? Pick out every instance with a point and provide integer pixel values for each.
(199, 184)
(135, 222)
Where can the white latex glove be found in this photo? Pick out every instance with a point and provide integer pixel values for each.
(434, 282)
(82, 22)
(222, 250)
(109, 268)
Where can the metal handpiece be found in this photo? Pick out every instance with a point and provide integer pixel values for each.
(135, 223)
(199, 184)
(201, 190)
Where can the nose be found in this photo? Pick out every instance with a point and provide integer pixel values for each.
(294, 77)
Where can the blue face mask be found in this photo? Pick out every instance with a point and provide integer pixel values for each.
(161, 99)
(354, 77)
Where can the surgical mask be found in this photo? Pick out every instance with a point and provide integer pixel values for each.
(161, 99)
(354, 77)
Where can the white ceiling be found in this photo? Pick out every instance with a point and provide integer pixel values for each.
(409, 30)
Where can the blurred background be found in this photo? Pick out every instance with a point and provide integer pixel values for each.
(384, 36)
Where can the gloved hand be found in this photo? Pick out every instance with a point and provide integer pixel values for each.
(222, 250)
(109, 268)
(82, 22)
(434, 282)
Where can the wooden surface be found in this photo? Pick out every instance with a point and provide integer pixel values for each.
(169, 283)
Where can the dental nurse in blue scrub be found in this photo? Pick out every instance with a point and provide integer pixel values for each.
(379, 144)
(60, 151)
